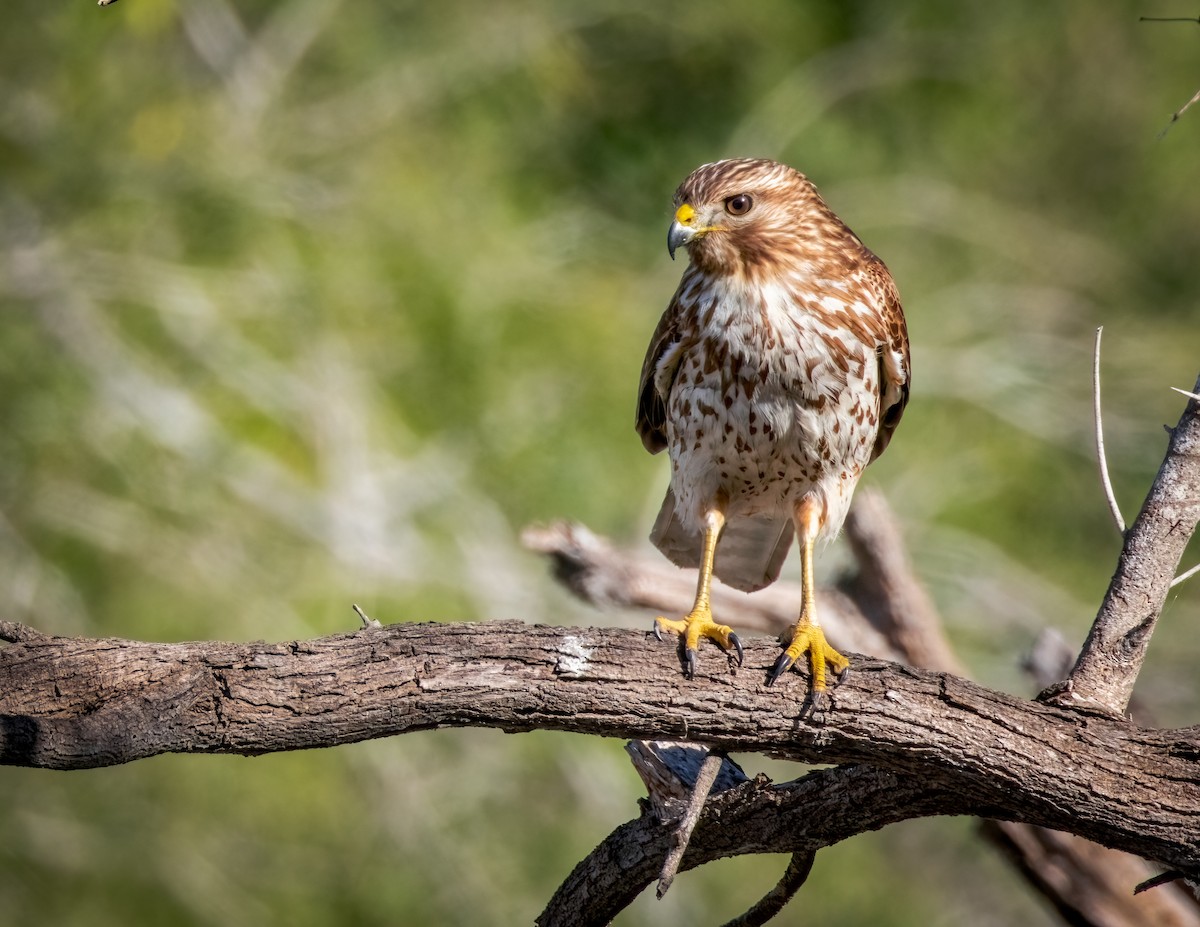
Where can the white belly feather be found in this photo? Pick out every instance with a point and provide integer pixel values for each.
(748, 422)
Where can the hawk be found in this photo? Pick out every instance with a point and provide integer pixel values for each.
(779, 370)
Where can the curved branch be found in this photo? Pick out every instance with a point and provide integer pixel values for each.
(793, 879)
(800, 817)
(1101, 457)
(72, 703)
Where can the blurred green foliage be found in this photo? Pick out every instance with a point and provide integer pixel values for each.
(307, 303)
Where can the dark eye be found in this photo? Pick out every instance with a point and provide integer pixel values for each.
(739, 205)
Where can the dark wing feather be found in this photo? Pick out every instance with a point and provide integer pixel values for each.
(658, 373)
(893, 357)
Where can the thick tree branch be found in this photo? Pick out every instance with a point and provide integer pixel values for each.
(1108, 665)
(1088, 883)
(71, 703)
(823, 808)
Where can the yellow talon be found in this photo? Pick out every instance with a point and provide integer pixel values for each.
(697, 624)
(808, 637)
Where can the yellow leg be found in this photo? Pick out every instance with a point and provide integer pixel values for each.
(806, 633)
(699, 622)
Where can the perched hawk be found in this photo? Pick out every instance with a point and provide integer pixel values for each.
(777, 373)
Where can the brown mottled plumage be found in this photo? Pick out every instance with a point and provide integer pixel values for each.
(777, 373)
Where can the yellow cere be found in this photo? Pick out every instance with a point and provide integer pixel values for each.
(685, 214)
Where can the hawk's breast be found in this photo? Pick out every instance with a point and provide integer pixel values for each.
(778, 397)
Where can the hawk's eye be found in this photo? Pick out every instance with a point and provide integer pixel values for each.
(739, 205)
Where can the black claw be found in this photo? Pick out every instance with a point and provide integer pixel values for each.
(782, 665)
(692, 661)
(657, 632)
(737, 645)
(841, 677)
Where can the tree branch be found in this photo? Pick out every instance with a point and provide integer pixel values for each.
(1089, 884)
(73, 703)
(1108, 666)
(608, 577)
(819, 810)
(1101, 458)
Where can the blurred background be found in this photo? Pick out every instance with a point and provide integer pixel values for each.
(306, 303)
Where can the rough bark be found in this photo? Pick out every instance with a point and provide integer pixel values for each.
(72, 703)
(1107, 667)
(1087, 884)
(914, 742)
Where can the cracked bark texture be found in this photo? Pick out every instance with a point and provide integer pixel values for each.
(884, 603)
(1108, 664)
(912, 742)
(71, 703)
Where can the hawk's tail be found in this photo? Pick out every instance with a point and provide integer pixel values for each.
(749, 556)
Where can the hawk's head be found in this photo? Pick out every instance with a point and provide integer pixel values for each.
(748, 216)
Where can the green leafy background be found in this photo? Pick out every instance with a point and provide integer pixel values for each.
(305, 303)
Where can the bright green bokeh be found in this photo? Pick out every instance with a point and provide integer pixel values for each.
(307, 303)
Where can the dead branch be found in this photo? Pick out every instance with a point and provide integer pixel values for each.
(608, 577)
(798, 817)
(1101, 457)
(1107, 667)
(1089, 884)
(74, 703)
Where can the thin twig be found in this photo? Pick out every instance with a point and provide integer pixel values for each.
(1163, 878)
(1107, 667)
(1175, 116)
(687, 824)
(1108, 489)
(1184, 577)
(774, 901)
(366, 621)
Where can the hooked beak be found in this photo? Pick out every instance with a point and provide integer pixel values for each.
(682, 230)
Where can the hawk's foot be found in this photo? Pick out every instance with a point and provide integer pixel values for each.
(809, 637)
(695, 625)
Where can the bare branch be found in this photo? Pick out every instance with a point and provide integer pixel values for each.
(1099, 420)
(1104, 674)
(1088, 884)
(888, 595)
(683, 832)
(675, 772)
(887, 592)
(598, 573)
(73, 703)
(1185, 576)
(821, 809)
(794, 877)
